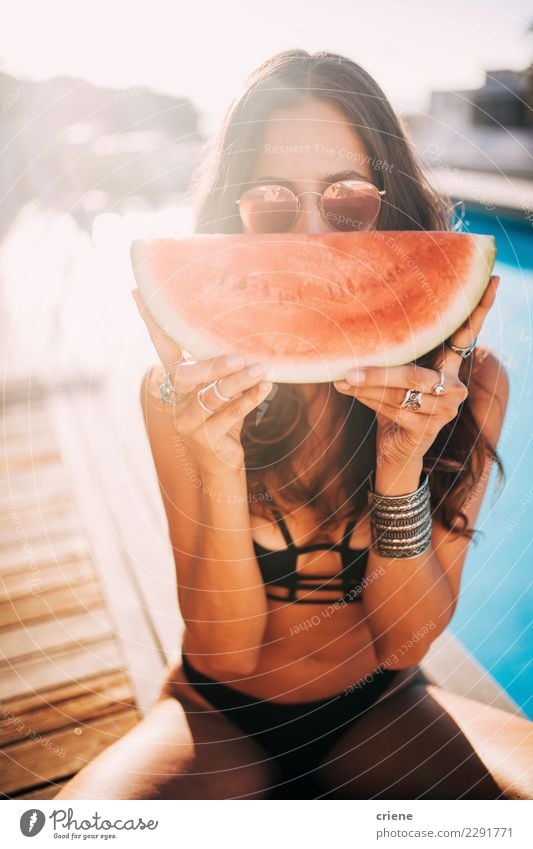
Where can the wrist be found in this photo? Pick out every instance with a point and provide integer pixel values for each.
(224, 479)
(401, 524)
(395, 479)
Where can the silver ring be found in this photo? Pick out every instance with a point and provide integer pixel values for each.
(412, 400)
(463, 352)
(168, 395)
(217, 391)
(202, 403)
(439, 387)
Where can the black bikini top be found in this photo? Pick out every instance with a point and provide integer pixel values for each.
(278, 567)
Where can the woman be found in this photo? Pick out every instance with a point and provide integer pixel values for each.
(271, 693)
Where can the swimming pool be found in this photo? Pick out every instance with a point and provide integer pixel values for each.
(494, 617)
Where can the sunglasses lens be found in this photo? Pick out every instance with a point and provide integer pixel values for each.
(268, 209)
(351, 205)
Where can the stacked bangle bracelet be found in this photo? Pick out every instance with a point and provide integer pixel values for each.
(401, 524)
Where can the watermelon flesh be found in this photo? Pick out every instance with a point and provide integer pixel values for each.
(313, 305)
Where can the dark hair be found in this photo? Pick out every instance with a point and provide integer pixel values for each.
(272, 441)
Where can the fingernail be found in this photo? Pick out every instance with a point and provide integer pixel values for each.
(355, 376)
(235, 361)
(256, 370)
(342, 384)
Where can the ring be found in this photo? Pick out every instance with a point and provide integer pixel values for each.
(463, 352)
(438, 389)
(202, 403)
(412, 400)
(217, 391)
(169, 396)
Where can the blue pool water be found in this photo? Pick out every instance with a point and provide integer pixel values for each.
(494, 617)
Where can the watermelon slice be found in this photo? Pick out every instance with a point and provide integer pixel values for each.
(313, 305)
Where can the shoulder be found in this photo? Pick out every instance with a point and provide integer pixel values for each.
(489, 392)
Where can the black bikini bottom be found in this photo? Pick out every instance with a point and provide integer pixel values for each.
(297, 735)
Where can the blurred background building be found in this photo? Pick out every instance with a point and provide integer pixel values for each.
(485, 129)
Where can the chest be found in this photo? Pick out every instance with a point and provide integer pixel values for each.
(304, 561)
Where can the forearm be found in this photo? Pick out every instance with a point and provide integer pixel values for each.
(408, 602)
(222, 597)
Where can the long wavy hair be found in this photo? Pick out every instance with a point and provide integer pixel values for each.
(277, 436)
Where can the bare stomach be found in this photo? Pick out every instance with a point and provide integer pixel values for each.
(308, 653)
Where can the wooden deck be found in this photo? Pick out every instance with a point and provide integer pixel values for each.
(65, 692)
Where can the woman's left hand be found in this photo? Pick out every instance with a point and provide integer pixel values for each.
(403, 435)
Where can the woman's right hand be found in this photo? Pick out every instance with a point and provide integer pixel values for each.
(213, 439)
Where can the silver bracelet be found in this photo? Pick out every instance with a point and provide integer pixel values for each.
(401, 524)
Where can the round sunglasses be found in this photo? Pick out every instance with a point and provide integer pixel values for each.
(345, 205)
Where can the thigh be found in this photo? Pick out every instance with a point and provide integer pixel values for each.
(426, 743)
(179, 750)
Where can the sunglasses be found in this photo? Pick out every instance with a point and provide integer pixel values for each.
(345, 205)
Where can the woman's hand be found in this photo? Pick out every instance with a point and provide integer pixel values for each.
(213, 439)
(404, 436)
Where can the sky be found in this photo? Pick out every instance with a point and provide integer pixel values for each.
(204, 49)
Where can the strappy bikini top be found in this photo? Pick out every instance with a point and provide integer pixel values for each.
(278, 568)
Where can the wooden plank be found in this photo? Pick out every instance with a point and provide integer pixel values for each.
(51, 669)
(70, 690)
(39, 581)
(94, 465)
(32, 477)
(61, 753)
(19, 419)
(28, 446)
(53, 634)
(12, 435)
(82, 707)
(47, 791)
(18, 445)
(15, 500)
(43, 553)
(50, 471)
(24, 459)
(32, 513)
(24, 417)
(53, 603)
(39, 527)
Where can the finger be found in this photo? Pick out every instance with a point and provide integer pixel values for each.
(235, 411)
(167, 350)
(186, 376)
(405, 377)
(230, 387)
(471, 328)
(382, 398)
(412, 420)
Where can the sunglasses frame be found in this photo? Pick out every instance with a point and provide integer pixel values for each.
(380, 192)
